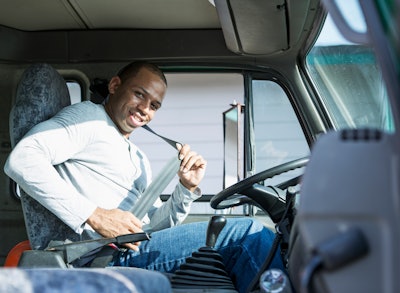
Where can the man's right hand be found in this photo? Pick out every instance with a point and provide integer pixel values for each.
(115, 222)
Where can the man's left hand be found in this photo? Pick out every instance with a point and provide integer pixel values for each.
(192, 169)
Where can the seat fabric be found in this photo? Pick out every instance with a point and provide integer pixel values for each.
(41, 93)
(45, 280)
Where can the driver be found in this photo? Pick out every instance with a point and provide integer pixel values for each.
(82, 166)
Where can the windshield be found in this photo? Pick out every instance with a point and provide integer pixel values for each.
(348, 79)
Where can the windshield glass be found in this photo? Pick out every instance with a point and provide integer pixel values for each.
(348, 79)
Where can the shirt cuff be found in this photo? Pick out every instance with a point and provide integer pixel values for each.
(192, 196)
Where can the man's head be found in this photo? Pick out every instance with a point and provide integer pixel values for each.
(133, 68)
(135, 94)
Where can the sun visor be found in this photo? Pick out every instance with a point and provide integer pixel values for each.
(255, 27)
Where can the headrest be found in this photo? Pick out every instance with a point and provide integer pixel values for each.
(41, 93)
(99, 90)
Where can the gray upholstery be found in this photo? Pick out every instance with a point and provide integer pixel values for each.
(41, 93)
(357, 187)
(82, 280)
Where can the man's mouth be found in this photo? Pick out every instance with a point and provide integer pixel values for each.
(136, 119)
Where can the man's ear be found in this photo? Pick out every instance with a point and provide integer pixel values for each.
(114, 83)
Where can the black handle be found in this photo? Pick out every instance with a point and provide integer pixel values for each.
(215, 226)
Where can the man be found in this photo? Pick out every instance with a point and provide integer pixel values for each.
(81, 166)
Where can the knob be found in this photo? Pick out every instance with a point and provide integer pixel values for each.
(215, 226)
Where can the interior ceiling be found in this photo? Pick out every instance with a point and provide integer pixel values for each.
(33, 15)
(249, 27)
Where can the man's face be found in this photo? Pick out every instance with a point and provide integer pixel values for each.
(134, 102)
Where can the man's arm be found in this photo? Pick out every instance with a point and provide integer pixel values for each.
(177, 207)
(31, 165)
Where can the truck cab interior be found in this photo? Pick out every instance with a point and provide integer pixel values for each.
(293, 103)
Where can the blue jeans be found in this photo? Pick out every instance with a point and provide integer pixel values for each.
(243, 243)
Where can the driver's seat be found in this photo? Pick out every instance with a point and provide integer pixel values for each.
(41, 93)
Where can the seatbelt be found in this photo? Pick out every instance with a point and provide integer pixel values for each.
(171, 142)
(146, 201)
(158, 184)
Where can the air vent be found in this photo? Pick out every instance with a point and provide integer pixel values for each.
(362, 135)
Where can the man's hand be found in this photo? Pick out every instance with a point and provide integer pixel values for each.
(112, 223)
(192, 168)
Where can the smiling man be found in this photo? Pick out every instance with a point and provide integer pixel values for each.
(135, 95)
(143, 97)
(82, 167)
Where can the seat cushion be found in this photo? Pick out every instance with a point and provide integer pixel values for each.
(132, 280)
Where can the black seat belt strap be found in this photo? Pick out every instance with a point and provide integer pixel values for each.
(171, 142)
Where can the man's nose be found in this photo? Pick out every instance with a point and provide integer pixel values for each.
(144, 106)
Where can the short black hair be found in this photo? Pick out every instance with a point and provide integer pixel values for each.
(133, 68)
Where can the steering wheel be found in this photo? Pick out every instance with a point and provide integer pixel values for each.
(247, 190)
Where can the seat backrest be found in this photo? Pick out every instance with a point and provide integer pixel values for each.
(41, 93)
(350, 188)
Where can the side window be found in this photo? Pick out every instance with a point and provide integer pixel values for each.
(75, 91)
(277, 132)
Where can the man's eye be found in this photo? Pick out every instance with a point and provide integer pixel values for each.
(139, 95)
(155, 107)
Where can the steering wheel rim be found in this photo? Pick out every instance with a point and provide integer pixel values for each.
(246, 183)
